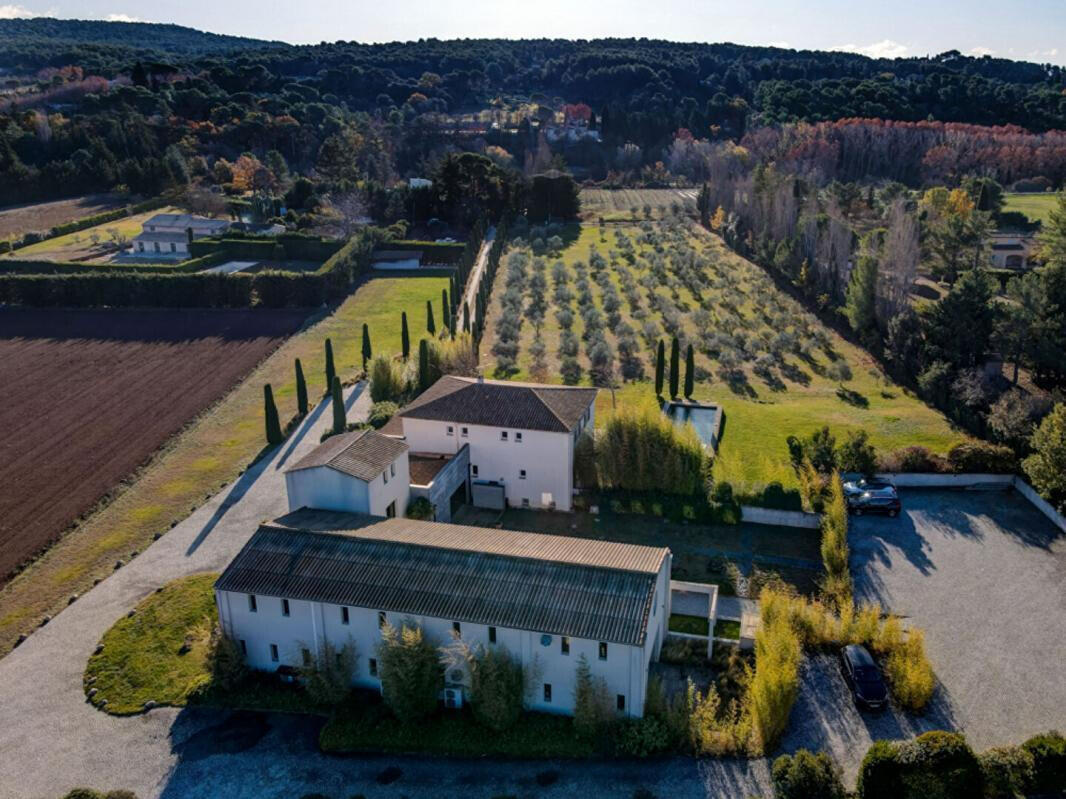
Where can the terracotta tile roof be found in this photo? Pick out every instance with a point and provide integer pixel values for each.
(598, 590)
(502, 403)
(426, 466)
(362, 453)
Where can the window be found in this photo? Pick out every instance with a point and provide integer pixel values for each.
(274, 653)
(381, 618)
(525, 502)
(547, 692)
(521, 474)
(253, 606)
(157, 246)
(464, 431)
(473, 470)
(284, 607)
(373, 667)
(390, 511)
(392, 469)
(451, 430)
(503, 435)
(306, 654)
(385, 476)
(620, 702)
(518, 438)
(244, 647)
(564, 644)
(492, 635)
(173, 247)
(344, 615)
(603, 650)
(457, 628)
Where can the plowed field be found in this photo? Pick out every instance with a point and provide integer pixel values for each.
(87, 396)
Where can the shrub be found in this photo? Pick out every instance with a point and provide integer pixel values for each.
(879, 776)
(83, 793)
(420, 508)
(837, 582)
(411, 673)
(225, 663)
(386, 380)
(775, 683)
(328, 678)
(979, 456)
(643, 737)
(593, 711)
(497, 688)
(1007, 771)
(911, 460)
(645, 451)
(908, 670)
(938, 765)
(380, 413)
(857, 454)
(1049, 760)
(805, 775)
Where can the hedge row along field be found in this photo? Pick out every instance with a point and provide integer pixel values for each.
(592, 303)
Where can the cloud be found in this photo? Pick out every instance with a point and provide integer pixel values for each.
(15, 12)
(886, 48)
(782, 45)
(981, 51)
(122, 18)
(1043, 54)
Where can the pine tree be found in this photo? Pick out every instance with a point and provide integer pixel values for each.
(405, 337)
(431, 326)
(423, 365)
(860, 304)
(340, 421)
(301, 390)
(675, 367)
(367, 353)
(331, 371)
(690, 372)
(270, 412)
(660, 368)
(446, 317)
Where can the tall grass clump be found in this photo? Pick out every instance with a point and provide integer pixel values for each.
(642, 450)
(775, 682)
(837, 581)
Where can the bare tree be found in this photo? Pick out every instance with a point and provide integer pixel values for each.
(198, 200)
(348, 211)
(899, 263)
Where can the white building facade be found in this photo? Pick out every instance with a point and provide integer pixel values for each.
(275, 630)
(168, 234)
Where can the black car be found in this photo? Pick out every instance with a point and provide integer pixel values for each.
(864, 678)
(883, 499)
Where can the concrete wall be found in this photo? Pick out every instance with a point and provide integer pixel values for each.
(929, 480)
(310, 624)
(784, 518)
(327, 489)
(1040, 503)
(448, 479)
(546, 458)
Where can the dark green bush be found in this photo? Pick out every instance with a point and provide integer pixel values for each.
(381, 412)
(912, 460)
(83, 793)
(879, 776)
(982, 457)
(1049, 760)
(1007, 772)
(643, 737)
(935, 765)
(806, 775)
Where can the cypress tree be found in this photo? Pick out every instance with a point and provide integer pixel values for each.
(301, 390)
(340, 420)
(675, 367)
(660, 368)
(331, 371)
(270, 412)
(690, 372)
(366, 346)
(423, 365)
(466, 317)
(445, 316)
(405, 337)
(431, 326)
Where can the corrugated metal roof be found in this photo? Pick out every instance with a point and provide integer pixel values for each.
(596, 590)
(362, 453)
(502, 403)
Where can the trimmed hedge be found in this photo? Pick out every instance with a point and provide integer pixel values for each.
(434, 252)
(15, 266)
(935, 764)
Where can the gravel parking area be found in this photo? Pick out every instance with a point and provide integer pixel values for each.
(984, 573)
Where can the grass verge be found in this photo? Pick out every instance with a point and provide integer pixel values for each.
(727, 628)
(693, 625)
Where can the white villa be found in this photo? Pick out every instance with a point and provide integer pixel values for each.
(1012, 249)
(313, 577)
(168, 234)
(520, 436)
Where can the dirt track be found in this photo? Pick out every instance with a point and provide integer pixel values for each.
(88, 396)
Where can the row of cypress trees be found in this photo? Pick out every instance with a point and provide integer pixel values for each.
(675, 369)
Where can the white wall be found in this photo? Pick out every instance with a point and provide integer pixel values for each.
(325, 488)
(547, 458)
(309, 624)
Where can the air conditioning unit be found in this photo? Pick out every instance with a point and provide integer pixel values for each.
(453, 698)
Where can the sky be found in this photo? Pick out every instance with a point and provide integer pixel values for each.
(1031, 30)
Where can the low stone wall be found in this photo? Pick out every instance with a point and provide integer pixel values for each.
(934, 480)
(1040, 503)
(781, 518)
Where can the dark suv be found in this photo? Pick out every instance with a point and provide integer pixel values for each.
(873, 498)
(864, 678)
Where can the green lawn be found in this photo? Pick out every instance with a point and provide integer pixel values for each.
(1034, 206)
(693, 625)
(726, 628)
(78, 244)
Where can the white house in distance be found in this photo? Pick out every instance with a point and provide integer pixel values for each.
(521, 436)
(313, 577)
(168, 234)
(1010, 249)
(359, 472)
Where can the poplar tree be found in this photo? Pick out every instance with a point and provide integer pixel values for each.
(660, 368)
(431, 326)
(340, 420)
(405, 337)
(270, 412)
(331, 370)
(690, 372)
(301, 390)
(445, 315)
(366, 346)
(466, 317)
(423, 365)
(675, 366)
